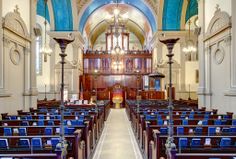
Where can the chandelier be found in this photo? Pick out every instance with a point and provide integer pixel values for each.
(189, 46)
(117, 23)
(45, 50)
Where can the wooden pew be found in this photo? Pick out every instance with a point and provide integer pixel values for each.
(75, 149)
(88, 134)
(204, 156)
(157, 146)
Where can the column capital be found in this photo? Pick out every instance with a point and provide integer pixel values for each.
(6, 41)
(227, 40)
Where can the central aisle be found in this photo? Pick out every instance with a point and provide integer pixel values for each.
(117, 140)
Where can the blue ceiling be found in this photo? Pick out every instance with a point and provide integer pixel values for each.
(172, 15)
(171, 19)
(139, 4)
(63, 15)
(172, 11)
(191, 10)
(41, 10)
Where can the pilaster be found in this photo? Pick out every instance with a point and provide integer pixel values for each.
(52, 45)
(182, 71)
(74, 87)
(2, 88)
(33, 86)
(77, 46)
(232, 89)
(1, 51)
(201, 53)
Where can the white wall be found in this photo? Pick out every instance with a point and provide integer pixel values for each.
(210, 8)
(24, 9)
(217, 91)
(190, 70)
(220, 76)
(17, 79)
(154, 59)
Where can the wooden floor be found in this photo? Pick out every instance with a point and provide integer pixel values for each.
(117, 140)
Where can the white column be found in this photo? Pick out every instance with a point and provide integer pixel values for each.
(182, 71)
(52, 45)
(27, 76)
(201, 47)
(1, 54)
(159, 51)
(33, 86)
(208, 90)
(32, 74)
(3, 42)
(232, 90)
(75, 73)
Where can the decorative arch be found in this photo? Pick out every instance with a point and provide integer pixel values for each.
(218, 23)
(15, 23)
(41, 10)
(192, 9)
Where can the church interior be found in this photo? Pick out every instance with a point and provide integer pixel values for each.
(117, 79)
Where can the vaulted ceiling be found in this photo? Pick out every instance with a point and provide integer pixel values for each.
(145, 16)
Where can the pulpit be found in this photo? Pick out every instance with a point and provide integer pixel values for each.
(117, 96)
(117, 100)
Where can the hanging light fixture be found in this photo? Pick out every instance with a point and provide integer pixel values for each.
(189, 46)
(45, 50)
(117, 22)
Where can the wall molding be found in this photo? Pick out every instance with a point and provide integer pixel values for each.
(15, 24)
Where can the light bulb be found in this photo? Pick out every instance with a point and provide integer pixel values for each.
(117, 49)
(116, 12)
(46, 49)
(113, 51)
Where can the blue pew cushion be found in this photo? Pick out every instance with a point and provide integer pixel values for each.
(36, 143)
(195, 142)
(54, 142)
(22, 132)
(24, 143)
(183, 142)
(4, 144)
(48, 131)
(211, 131)
(180, 130)
(7, 132)
(164, 131)
(225, 142)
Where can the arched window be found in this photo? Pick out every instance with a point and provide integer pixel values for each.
(38, 53)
